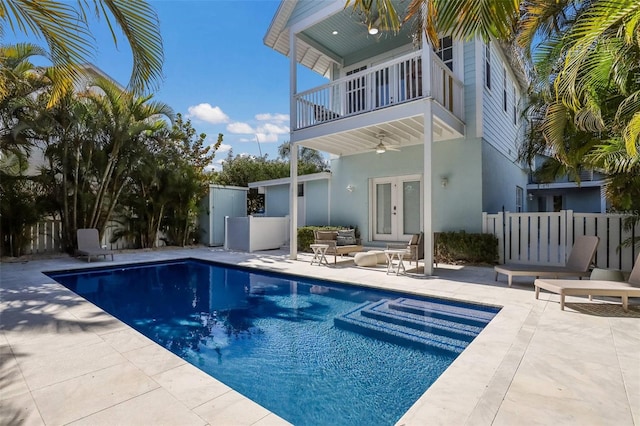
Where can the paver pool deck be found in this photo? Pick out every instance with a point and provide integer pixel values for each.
(64, 361)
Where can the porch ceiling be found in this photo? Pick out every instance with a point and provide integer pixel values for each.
(318, 48)
(361, 133)
(397, 134)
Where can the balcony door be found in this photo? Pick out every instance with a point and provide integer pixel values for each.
(396, 207)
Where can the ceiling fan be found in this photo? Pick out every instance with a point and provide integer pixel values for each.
(381, 148)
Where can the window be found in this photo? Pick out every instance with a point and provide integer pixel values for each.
(504, 90)
(301, 190)
(519, 198)
(515, 106)
(445, 51)
(557, 203)
(487, 65)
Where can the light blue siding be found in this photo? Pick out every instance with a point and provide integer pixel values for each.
(457, 206)
(316, 198)
(500, 176)
(276, 200)
(497, 125)
(471, 115)
(316, 202)
(224, 201)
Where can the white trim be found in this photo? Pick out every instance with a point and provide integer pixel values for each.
(565, 185)
(287, 180)
(241, 188)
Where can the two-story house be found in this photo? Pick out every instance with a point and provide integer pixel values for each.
(421, 139)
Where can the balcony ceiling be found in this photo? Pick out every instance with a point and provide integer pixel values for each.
(318, 48)
(397, 134)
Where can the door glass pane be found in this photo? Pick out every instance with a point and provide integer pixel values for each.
(411, 207)
(383, 208)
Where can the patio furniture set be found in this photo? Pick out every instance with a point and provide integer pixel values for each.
(341, 242)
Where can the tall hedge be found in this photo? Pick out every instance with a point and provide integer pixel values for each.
(454, 247)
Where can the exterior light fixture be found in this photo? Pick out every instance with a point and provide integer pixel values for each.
(334, 32)
(374, 25)
(444, 182)
(530, 196)
(350, 188)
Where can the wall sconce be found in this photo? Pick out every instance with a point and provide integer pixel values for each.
(350, 188)
(444, 182)
(530, 196)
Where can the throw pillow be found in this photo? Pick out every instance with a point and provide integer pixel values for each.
(346, 237)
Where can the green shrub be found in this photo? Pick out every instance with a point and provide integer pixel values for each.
(454, 247)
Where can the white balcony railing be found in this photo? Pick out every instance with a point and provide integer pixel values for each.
(391, 83)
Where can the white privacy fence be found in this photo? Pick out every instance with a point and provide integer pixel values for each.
(253, 233)
(547, 238)
(46, 237)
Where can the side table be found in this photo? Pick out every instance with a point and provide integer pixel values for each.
(395, 254)
(319, 253)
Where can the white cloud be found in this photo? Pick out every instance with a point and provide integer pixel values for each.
(206, 112)
(240, 128)
(270, 128)
(267, 137)
(224, 148)
(278, 118)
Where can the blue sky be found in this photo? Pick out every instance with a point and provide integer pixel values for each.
(217, 70)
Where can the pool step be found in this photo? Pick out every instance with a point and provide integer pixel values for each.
(416, 323)
(442, 327)
(448, 312)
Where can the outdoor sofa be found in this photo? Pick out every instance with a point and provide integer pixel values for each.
(340, 242)
(594, 287)
(578, 264)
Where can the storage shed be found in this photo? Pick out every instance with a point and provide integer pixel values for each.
(222, 201)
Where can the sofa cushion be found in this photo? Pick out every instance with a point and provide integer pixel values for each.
(346, 237)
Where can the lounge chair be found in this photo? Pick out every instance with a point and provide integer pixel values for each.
(577, 265)
(89, 244)
(415, 248)
(594, 287)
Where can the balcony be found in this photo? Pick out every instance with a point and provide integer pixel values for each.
(385, 85)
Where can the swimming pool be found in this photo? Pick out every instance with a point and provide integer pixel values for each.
(311, 351)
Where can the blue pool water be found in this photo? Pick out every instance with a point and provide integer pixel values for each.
(314, 352)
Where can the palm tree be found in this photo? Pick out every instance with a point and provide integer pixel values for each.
(123, 119)
(306, 157)
(18, 81)
(66, 31)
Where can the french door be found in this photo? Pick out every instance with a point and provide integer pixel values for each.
(396, 207)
